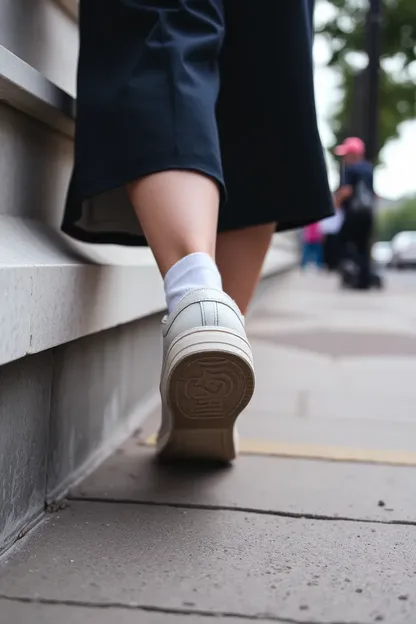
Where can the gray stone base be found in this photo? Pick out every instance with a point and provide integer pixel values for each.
(62, 411)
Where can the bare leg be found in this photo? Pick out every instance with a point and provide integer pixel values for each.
(240, 255)
(178, 212)
(207, 374)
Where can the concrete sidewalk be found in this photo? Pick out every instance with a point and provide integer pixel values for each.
(316, 522)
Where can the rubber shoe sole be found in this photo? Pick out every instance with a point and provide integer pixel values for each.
(209, 379)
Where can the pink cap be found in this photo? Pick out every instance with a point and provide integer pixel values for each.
(351, 145)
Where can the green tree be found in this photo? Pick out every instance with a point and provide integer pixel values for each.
(345, 32)
(400, 219)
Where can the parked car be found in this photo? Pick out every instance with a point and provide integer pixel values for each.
(404, 250)
(382, 253)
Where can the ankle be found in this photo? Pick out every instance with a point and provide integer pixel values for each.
(196, 270)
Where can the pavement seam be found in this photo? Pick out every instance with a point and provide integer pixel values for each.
(250, 510)
(260, 617)
(317, 453)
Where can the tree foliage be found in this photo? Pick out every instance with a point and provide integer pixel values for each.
(400, 219)
(345, 32)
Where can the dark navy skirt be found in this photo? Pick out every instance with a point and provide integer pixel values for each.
(223, 87)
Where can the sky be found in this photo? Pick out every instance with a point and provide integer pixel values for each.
(397, 176)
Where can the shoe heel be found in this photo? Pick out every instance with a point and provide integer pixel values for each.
(210, 381)
(214, 445)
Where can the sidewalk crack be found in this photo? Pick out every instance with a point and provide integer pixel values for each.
(254, 617)
(249, 510)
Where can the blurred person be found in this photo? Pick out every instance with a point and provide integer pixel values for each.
(330, 229)
(356, 197)
(192, 118)
(312, 248)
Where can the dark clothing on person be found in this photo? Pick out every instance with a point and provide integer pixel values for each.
(311, 11)
(331, 251)
(356, 232)
(355, 173)
(221, 87)
(355, 239)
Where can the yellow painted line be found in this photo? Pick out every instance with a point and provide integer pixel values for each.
(328, 453)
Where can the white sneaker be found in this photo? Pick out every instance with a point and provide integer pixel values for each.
(207, 377)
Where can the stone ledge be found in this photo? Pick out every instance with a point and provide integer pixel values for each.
(27, 90)
(51, 294)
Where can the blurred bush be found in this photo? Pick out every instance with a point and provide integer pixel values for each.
(399, 219)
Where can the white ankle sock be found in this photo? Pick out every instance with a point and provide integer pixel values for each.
(198, 270)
